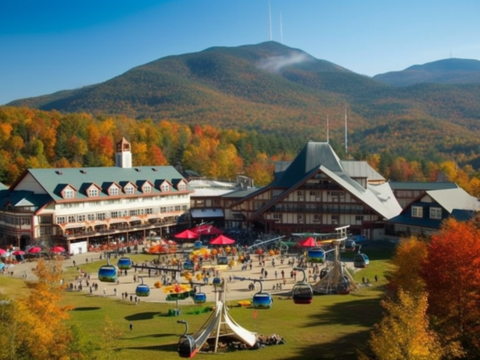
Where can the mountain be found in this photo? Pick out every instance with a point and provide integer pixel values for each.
(283, 91)
(448, 71)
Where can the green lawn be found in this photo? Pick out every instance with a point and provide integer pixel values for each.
(332, 327)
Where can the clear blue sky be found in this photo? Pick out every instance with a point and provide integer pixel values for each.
(52, 45)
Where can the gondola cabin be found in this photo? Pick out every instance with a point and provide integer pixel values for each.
(108, 273)
(142, 290)
(361, 261)
(186, 346)
(198, 244)
(262, 300)
(222, 260)
(350, 245)
(323, 273)
(343, 287)
(199, 298)
(302, 293)
(188, 265)
(124, 263)
(316, 255)
(217, 282)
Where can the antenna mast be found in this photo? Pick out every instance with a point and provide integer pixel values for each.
(346, 131)
(269, 22)
(281, 28)
(328, 130)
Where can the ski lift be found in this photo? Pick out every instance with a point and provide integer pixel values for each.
(124, 263)
(199, 297)
(188, 265)
(222, 260)
(316, 255)
(350, 245)
(343, 287)
(216, 282)
(261, 300)
(186, 343)
(302, 292)
(142, 289)
(361, 260)
(108, 273)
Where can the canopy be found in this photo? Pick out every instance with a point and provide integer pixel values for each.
(187, 234)
(222, 240)
(18, 252)
(207, 230)
(34, 250)
(308, 242)
(2, 252)
(57, 249)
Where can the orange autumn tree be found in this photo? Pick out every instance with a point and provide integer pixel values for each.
(452, 275)
(41, 319)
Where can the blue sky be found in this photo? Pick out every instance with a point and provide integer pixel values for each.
(52, 45)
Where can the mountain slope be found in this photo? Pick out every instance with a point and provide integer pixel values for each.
(448, 71)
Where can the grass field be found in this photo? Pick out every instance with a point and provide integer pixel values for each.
(332, 327)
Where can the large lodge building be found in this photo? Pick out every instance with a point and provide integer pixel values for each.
(316, 192)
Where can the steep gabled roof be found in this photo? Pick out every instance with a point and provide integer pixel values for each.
(313, 155)
(457, 198)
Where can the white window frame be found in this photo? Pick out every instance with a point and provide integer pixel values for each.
(417, 212)
(68, 193)
(113, 190)
(93, 192)
(129, 189)
(435, 213)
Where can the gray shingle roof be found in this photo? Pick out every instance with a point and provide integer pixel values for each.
(54, 180)
(399, 185)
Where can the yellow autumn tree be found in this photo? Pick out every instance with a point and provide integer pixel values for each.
(403, 333)
(407, 261)
(40, 319)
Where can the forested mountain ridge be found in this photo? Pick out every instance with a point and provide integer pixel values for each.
(447, 71)
(276, 90)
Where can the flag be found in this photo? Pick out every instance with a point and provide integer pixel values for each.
(255, 314)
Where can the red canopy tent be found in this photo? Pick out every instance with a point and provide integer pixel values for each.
(222, 240)
(308, 242)
(34, 250)
(187, 234)
(2, 252)
(57, 249)
(207, 230)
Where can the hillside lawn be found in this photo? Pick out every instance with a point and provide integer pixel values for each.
(332, 327)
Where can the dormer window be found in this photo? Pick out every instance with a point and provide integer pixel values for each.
(93, 192)
(129, 189)
(68, 194)
(113, 190)
(182, 186)
(165, 187)
(146, 188)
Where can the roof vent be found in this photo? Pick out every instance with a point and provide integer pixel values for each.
(138, 170)
(58, 172)
(83, 171)
(154, 169)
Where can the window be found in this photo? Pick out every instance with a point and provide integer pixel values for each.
(45, 231)
(68, 194)
(436, 213)
(71, 219)
(81, 218)
(45, 219)
(417, 211)
(92, 192)
(129, 190)
(114, 214)
(61, 220)
(337, 194)
(181, 186)
(113, 191)
(165, 187)
(300, 218)
(101, 216)
(163, 209)
(358, 218)
(316, 218)
(335, 219)
(147, 188)
(91, 217)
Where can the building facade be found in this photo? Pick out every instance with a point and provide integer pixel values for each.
(83, 207)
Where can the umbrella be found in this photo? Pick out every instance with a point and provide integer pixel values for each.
(34, 250)
(222, 240)
(207, 230)
(18, 252)
(187, 234)
(2, 252)
(57, 249)
(308, 242)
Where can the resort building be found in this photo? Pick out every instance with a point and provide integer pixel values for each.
(83, 207)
